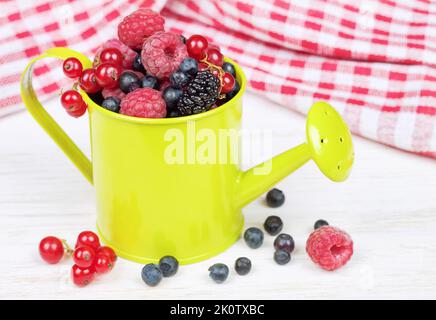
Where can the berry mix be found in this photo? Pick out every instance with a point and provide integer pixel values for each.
(150, 73)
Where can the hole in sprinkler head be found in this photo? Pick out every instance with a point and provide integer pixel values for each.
(339, 167)
(341, 139)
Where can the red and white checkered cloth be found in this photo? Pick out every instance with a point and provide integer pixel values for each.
(374, 61)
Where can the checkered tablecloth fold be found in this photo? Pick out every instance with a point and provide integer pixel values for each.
(374, 61)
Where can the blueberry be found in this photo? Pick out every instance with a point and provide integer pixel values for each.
(179, 79)
(189, 66)
(173, 114)
(320, 223)
(275, 198)
(151, 274)
(234, 91)
(273, 225)
(171, 96)
(253, 237)
(242, 266)
(150, 82)
(219, 272)
(129, 82)
(284, 242)
(137, 64)
(230, 68)
(112, 104)
(96, 97)
(169, 266)
(282, 257)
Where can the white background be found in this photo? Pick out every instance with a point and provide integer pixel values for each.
(388, 206)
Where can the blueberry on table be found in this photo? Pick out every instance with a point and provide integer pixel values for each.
(171, 96)
(253, 237)
(284, 242)
(150, 82)
(189, 66)
(168, 266)
(282, 257)
(242, 266)
(112, 104)
(151, 274)
(320, 223)
(275, 198)
(219, 272)
(129, 82)
(179, 79)
(273, 225)
(230, 68)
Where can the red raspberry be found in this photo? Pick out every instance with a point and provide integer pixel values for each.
(162, 54)
(144, 103)
(128, 54)
(138, 26)
(329, 247)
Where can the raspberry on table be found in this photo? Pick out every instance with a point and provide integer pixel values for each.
(144, 103)
(162, 54)
(129, 55)
(138, 26)
(329, 247)
(200, 94)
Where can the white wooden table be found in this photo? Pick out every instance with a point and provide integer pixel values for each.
(388, 206)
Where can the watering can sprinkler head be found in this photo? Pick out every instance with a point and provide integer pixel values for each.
(328, 143)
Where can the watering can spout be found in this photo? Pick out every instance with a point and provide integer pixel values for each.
(328, 143)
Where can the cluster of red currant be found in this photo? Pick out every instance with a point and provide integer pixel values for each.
(210, 58)
(89, 256)
(105, 74)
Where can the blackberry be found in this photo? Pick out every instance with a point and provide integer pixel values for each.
(200, 94)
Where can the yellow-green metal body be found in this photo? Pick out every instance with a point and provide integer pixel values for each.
(158, 197)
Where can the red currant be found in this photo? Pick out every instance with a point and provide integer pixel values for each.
(88, 81)
(197, 46)
(84, 256)
(214, 46)
(108, 252)
(112, 55)
(228, 83)
(103, 263)
(88, 238)
(82, 276)
(73, 102)
(51, 249)
(107, 75)
(72, 68)
(202, 66)
(215, 57)
(78, 113)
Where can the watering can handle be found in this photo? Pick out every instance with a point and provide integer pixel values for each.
(45, 120)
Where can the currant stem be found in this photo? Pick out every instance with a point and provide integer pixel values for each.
(67, 249)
